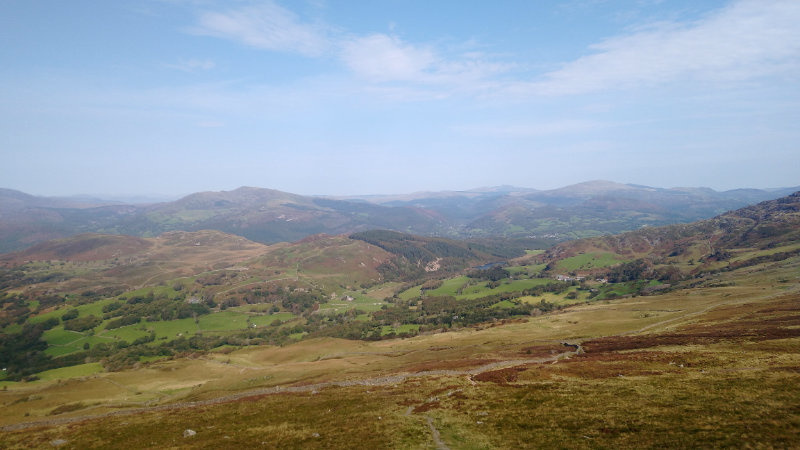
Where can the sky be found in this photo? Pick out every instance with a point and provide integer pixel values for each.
(338, 97)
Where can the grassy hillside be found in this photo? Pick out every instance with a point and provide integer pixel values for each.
(270, 216)
(692, 338)
(767, 231)
(706, 367)
(123, 300)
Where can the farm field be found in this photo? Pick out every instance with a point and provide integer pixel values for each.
(588, 261)
(642, 358)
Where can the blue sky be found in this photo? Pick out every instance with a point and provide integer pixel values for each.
(359, 97)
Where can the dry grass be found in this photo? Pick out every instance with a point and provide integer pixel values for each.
(704, 368)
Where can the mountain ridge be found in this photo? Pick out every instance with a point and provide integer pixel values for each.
(267, 215)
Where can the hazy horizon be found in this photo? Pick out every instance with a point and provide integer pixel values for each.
(145, 197)
(340, 98)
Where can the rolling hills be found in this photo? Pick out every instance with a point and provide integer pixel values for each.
(269, 216)
(684, 335)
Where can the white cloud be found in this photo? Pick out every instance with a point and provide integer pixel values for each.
(403, 71)
(376, 58)
(379, 57)
(746, 40)
(266, 26)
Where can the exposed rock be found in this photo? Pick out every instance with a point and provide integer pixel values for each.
(189, 433)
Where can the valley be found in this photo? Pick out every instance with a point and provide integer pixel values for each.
(399, 225)
(269, 216)
(427, 342)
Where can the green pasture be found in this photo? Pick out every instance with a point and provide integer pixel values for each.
(622, 289)
(57, 313)
(81, 370)
(93, 309)
(767, 252)
(477, 288)
(171, 328)
(63, 342)
(267, 319)
(152, 358)
(505, 304)
(410, 293)
(405, 328)
(588, 261)
(529, 270)
(559, 299)
(360, 301)
(127, 333)
(60, 336)
(223, 321)
(481, 290)
(449, 286)
(12, 328)
(89, 309)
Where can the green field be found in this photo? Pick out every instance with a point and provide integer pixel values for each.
(81, 370)
(223, 321)
(588, 261)
(504, 304)
(476, 288)
(267, 319)
(59, 336)
(164, 330)
(406, 328)
(449, 286)
(410, 293)
(482, 290)
(127, 333)
(360, 301)
(57, 313)
(530, 270)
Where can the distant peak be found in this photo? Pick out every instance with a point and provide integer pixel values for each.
(594, 187)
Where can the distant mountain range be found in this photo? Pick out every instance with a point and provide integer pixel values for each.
(268, 216)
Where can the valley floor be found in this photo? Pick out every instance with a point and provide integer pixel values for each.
(706, 367)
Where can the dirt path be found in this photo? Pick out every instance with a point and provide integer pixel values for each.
(436, 439)
(159, 274)
(376, 381)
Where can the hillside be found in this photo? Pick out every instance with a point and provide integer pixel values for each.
(598, 208)
(94, 295)
(766, 231)
(261, 215)
(585, 209)
(270, 216)
(493, 357)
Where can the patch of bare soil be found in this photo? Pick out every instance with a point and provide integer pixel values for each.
(449, 365)
(427, 406)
